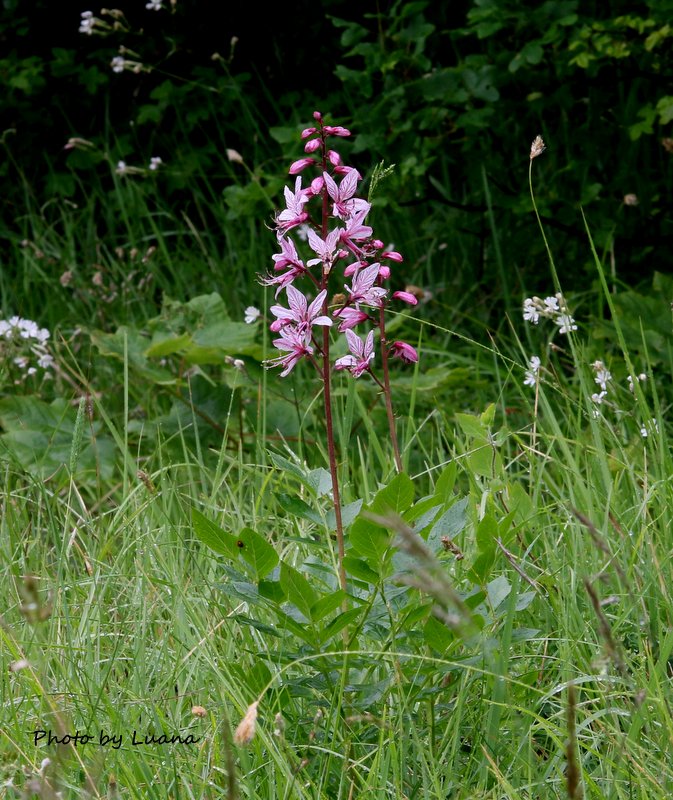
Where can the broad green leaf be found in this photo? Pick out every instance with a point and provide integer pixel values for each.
(370, 540)
(357, 568)
(451, 523)
(498, 589)
(213, 536)
(472, 426)
(272, 590)
(298, 590)
(298, 508)
(397, 496)
(487, 531)
(326, 605)
(437, 635)
(446, 482)
(165, 344)
(257, 552)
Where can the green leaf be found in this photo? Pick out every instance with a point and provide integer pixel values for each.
(257, 552)
(339, 623)
(397, 496)
(370, 540)
(446, 482)
(451, 523)
(213, 536)
(437, 635)
(498, 589)
(487, 531)
(325, 605)
(298, 508)
(357, 568)
(299, 591)
(472, 426)
(273, 591)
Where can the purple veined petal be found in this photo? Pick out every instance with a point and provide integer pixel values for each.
(332, 188)
(297, 302)
(345, 362)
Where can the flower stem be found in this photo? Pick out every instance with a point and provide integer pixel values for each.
(386, 391)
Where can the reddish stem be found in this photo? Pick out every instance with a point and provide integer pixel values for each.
(386, 390)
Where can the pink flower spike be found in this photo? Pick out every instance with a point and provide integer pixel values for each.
(336, 130)
(406, 297)
(334, 158)
(404, 351)
(312, 146)
(392, 255)
(296, 345)
(300, 165)
(361, 355)
(350, 317)
(308, 132)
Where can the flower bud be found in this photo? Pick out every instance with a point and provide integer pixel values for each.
(301, 164)
(312, 146)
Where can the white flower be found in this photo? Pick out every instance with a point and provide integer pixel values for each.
(531, 377)
(154, 5)
(45, 361)
(155, 162)
(602, 378)
(302, 232)
(21, 362)
(598, 398)
(251, 314)
(5, 328)
(118, 64)
(122, 169)
(530, 312)
(566, 323)
(551, 304)
(87, 23)
(650, 425)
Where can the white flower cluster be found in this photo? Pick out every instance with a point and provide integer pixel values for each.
(24, 343)
(533, 372)
(123, 168)
(554, 308)
(87, 23)
(602, 376)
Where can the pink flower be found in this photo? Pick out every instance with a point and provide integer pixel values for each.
(363, 289)
(355, 230)
(300, 314)
(308, 132)
(298, 166)
(344, 203)
(334, 158)
(311, 146)
(294, 214)
(297, 346)
(406, 297)
(288, 256)
(361, 355)
(350, 317)
(336, 130)
(392, 255)
(404, 351)
(323, 248)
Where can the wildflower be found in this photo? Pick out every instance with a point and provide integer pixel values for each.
(344, 204)
(199, 711)
(404, 351)
(121, 169)
(651, 426)
(551, 304)
(295, 344)
(294, 213)
(532, 373)
(537, 148)
(631, 200)
(530, 313)
(155, 163)
(406, 297)
(324, 249)
(361, 355)
(87, 23)
(363, 289)
(566, 323)
(245, 731)
(252, 314)
(349, 317)
(300, 165)
(234, 155)
(598, 397)
(602, 375)
(300, 314)
(638, 378)
(118, 63)
(154, 5)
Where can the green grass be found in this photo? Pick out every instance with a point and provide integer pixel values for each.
(117, 618)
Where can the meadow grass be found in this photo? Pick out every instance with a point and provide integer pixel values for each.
(119, 619)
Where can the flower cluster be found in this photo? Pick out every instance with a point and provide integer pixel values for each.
(533, 372)
(24, 344)
(602, 377)
(554, 308)
(123, 168)
(338, 237)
